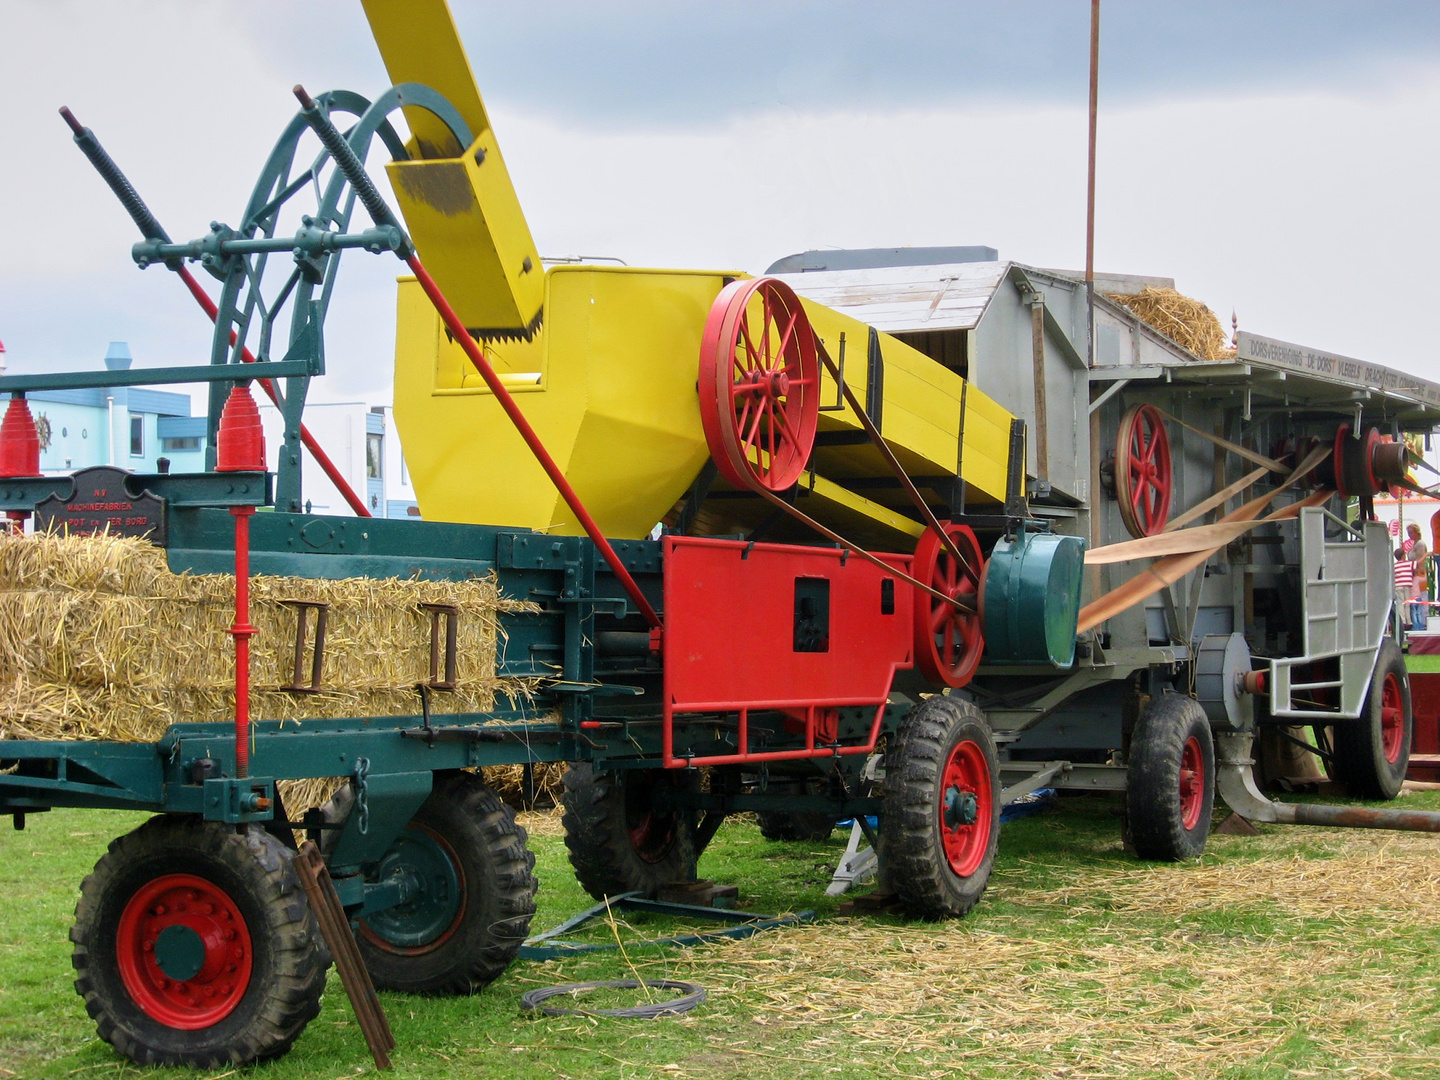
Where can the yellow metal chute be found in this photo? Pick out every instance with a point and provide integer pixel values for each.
(457, 201)
(604, 360)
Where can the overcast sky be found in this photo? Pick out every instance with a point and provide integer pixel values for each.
(1277, 159)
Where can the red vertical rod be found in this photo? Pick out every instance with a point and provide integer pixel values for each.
(1090, 183)
(667, 736)
(242, 632)
(322, 459)
(532, 440)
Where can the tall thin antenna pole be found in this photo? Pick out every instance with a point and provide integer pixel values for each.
(1090, 185)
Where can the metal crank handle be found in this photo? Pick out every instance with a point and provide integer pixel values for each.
(129, 198)
(351, 167)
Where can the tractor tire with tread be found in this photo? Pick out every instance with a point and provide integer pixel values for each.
(463, 933)
(258, 920)
(941, 813)
(617, 842)
(1170, 780)
(1371, 756)
(789, 826)
(792, 825)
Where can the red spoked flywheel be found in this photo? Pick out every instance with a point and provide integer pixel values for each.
(949, 640)
(759, 384)
(1144, 476)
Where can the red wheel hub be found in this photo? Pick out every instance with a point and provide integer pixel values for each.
(1192, 783)
(651, 832)
(1392, 718)
(966, 808)
(1143, 473)
(652, 836)
(759, 384)
(949, 640)
(184, 951)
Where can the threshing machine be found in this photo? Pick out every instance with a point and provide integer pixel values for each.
(879, 540)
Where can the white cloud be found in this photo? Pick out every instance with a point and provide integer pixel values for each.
(1310, 214)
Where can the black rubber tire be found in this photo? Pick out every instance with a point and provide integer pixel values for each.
(494, 870)
(789, 825)
(1360, 762)
(605, 810)
(912, 829)
(1154, 806)
(288, 956)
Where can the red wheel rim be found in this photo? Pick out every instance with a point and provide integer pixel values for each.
(948, 641)
(1392, 718)
(966, 808)
(652, 835)
(195, 928)
(759, 384)
(1192, 783)
(1143, 473)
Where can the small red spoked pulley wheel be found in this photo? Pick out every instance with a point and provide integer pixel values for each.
(1355, 463)
(966, 808)
(184, 951)
(759, 385)
(1144, 477)
(949, 639)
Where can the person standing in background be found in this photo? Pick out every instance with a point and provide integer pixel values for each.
(1404, 585)
(1418, 555)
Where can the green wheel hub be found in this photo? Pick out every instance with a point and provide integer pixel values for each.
(432, 913)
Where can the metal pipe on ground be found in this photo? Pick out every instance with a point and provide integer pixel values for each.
(1235, 783)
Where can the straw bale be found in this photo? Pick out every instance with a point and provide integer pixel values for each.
(508, 781)
(99, 640)
(1185, 321)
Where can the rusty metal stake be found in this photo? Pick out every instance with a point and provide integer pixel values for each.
(317, 654)
(335, 928)
(452, 624)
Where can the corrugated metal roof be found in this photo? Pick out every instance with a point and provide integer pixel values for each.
(896, 299)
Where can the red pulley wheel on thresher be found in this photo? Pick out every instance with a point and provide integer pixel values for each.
(1355, 463)
(1143, 473)
(759, 384)
(948, 639)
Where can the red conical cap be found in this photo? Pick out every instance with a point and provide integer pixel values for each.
(19, 441)
(241, 439)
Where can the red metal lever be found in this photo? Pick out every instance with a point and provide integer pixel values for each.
(354, 171)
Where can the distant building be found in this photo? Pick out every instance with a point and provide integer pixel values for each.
(362, 442)
(129, 427)
(134, 427)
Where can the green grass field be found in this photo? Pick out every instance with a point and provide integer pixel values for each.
(1299, 953)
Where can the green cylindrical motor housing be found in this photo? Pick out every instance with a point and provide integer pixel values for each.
(1030, 599)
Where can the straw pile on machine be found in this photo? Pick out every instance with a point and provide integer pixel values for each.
(99, 640)
(1184, 320)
